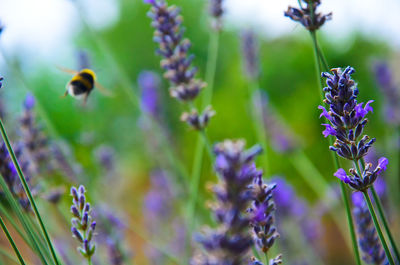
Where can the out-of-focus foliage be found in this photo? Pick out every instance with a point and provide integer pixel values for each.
(120, 52)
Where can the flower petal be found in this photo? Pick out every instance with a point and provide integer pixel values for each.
(329, 130)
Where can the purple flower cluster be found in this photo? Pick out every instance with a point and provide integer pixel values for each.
(174, 48)
(35, 142)
(308, 15)
(384, 79)
(290, 205)
(112, 233)
(160, 217)
(262, 214)
(368, 238)
(230, 242)
(216, 11)
(177, 62)
(347, 122)
(149, 83)
(10, 175)
(367, 178)
(82, 225)
(106, 157)
(196, 120)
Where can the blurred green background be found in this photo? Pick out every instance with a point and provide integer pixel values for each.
(120, 52)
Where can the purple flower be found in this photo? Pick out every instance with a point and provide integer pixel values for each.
(308, 15)
(329, 130)
(9, 173)
(230, 242)
(363, 181)
(177, 62)
(174, 48)
(358, 199)
(386, 83)
(347, 122)
(34, 139)
(198, 121)
(149, 83)
(361, 112)
(262, 212)
(29, 102)
(367, 236)
(216, 11)
(341, 174)
(82, 224)
(324, 113)
(382, 164)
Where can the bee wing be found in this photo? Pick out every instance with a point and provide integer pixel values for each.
(67, 70)
(103, 90)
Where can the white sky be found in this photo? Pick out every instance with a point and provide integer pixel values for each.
(43, 29)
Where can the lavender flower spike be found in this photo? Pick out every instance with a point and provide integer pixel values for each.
(250, 54)
(198, 121)
(216, 11)
(346, 122)
(36, 143)
(368, 239)
(149, 83)
(308, 16)
(385, 81)
(230, 242)
(82, 225)
(262, 210)
(177, 62)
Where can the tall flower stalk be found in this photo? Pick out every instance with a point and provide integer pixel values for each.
(262, 219)
(216, 13)
(346, 122)
(230, 242)
(11, 240)
(252, 69)
(28, 192)
(368, 240)
(312, 21)
(82, 224)
(177, 63)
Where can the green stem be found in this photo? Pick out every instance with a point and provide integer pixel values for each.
(350, 222)
(212, 58)
(34, 240)
(378, 228)
(258, 121)
(202, 138)
(7, 255)
(27, 190)
(382, 215)
(266, 258)
(255, 252)
(334, 157)
(10, 239)
(385, 223)
(4, 212)
(207, 143)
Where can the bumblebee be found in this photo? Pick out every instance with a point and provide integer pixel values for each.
(82, 83)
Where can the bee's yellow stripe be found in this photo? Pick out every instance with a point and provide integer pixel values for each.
(79, 78)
